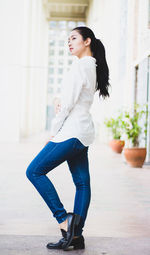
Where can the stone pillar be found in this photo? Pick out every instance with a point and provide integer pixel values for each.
(23, 68)
(35, 69)
(10, 69)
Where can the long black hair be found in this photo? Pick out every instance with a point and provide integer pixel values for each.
(98, 50)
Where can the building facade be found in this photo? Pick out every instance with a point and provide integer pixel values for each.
(34, 59)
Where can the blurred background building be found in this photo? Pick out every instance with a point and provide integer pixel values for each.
(34, 56)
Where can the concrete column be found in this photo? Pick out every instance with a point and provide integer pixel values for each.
(25, 56)
(23, 68)
(10, 70)
(35, 104)
(130, 69)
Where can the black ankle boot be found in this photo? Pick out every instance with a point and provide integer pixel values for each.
(77, 243)
(58, 245)
(73, 221)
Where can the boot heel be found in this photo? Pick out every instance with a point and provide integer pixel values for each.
(79, 246)
(77, 219)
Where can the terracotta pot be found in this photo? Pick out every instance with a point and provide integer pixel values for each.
(117, 145)
(135, 157)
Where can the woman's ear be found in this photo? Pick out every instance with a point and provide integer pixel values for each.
(87, 41)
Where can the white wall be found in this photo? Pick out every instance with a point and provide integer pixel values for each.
(110, 28)
(122, 27)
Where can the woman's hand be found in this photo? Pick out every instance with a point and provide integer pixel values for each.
(57, 105)
(58, 108)
(49, 140)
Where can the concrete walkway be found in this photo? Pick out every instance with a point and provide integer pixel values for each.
(118, 220)
(35, 245)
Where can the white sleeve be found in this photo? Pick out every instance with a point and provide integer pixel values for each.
(70, 93)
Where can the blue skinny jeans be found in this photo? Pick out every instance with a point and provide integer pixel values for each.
(52, 155)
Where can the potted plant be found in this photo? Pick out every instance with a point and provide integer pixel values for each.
(134, 128)
(114, 125)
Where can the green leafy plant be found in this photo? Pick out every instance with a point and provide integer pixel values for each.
(131, 125)
(115, 126)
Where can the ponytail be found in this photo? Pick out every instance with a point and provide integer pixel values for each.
(102, 70)
(98, 50)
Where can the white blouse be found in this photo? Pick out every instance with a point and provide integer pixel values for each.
(77, 94)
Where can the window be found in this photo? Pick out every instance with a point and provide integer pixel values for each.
(62, 24)
(51, 43)
(50, 90)
(69, 61)
(58, 90)
(61, 43)
(71, 24)
(60, 70)
(80, 23)
(62, 33)
(51, 81)
(51, 70)
(51, 62)
(52, 24)
(60, 61)
(61, 52)
(51, 52)
(59, 80)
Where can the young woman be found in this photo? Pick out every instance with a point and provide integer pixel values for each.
(72, 132)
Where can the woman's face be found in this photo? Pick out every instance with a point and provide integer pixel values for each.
(76, 44)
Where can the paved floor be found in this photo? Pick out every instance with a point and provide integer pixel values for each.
(118, 220)
(35, 245)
